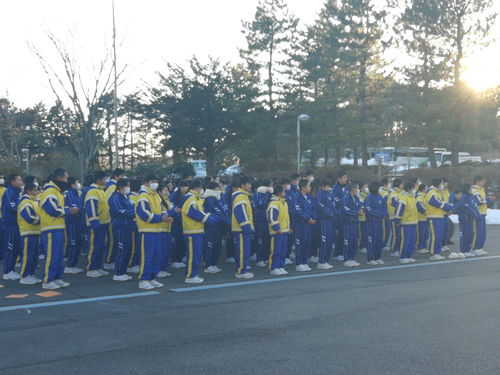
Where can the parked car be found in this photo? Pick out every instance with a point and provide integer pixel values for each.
(231, 171)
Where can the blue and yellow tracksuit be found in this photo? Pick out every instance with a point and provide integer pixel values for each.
(110, 245)
(74, 234)
(279, 220)
(85, 229)
(338, 194)
(122, 214)
(179, 253)
(166, 244)
(214, 206)
(260, 202)
(480, 224)
(52, 214)
(386, 224)
(148, 216)
(193, 226)
(392, 205)
(28, 218)
(351, 206)
(376, 212)
(468, 213)
(97, 220)
(326, 214)
(423, 225)
(305, 211)
(406, 216)
(435, 210)
(135, 255)
(11, 235)
(291, 197)
(445, 197)
(2, 191)
(363, 236)
(242, 228)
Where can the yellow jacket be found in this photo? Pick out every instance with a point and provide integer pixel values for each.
(407, 209)
(96, 205)
(2, 190)
(392, 202)
(277, 215)
(420, 200)
(480, 195)
(148, 211)
(52, 208)
(435, 208)
(110, 189)
(28, 215)
(165, 208)
(193, 216)
(242, 211)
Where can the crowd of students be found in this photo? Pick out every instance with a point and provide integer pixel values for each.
(150, 225)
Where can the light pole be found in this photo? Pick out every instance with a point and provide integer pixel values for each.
(302, 117)
(25, 158)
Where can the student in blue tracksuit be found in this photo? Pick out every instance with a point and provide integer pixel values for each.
(338, 193)
(316, 229)
(260, 201)
(386, 224)
(363, 235)
(122, 214)
(89, 180)
(227, 202)
(166, 230)
(326, 214)
(73, 223)
(423, 225)
(376, 212)
(392, 205)
(351, 207)
(11, 235)
(291, 195)
(305, 219)
(213, 205)
(466, 208)
(177, 199)
(135, 256)
(406, 216)
(279, 226)
(2, 191)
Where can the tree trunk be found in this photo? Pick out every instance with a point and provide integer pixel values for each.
(338, 156)
(326, 157)
(432, 158)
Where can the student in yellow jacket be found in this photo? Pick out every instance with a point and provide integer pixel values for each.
(279, 227)
(392, 204)
(479, 229)
(406, 217)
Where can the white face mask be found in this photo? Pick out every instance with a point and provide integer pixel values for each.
(311, 178)
(36, 184)
(366, 190)
(78, 186)
(2, 181)
(127, 190)
(153, 186)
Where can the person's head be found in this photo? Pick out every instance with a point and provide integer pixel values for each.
(324, 184)
(123, 185)
(279, 189)
(100, 178)
(118, 173)
(466, 189)
(445, 183)
(397, 183)
(294, 179)
(353, 188)
(384, 181)
(2, 179)
(151, 181)
(458, 195)
(342, 177)
(196, 185)
(213, 186)
(437, 182)
(163, 190)
(60, 175)
(187, 176)
(15, 181)
(422, 187)
(74, 183)
(309, 175)
(479, 180)
(135, 185)
(304, 186)
(409, 187)
(183, 186)
(373, 187)
(29, 180)
(266, 182)
(31, 189)
(363, 187)
(245, 183)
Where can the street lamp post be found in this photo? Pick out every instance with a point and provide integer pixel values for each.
(26, 159)
(302, 117)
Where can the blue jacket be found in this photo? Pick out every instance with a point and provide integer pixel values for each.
(72, 199)
(325, 207)
(466, 208)
(291, 199)
(260, 201)
(10, 202)
(375, 208)
(350, 207)
(338, 193)
(304, 208)
(215, 206)
(122, 211)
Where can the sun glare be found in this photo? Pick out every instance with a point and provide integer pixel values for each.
(482, 71)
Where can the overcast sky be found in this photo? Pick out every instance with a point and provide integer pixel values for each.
(151, 31)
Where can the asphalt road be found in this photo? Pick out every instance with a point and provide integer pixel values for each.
(417, 319)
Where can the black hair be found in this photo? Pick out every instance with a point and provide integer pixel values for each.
(294, 176)
(341, 174)
(324, 182)
(196, 184)
(397, 182)
(466, 188)
(373, 187)
(182, 183)
(99, 175)
(303, 183)
(244, 180)
(278, 188)
(122, 182)
(150, 177)
(408, 186)
(118, 172)
(444, 179)
(384, 181)
(422, 187)
(309, 172)
(59, 172)
(135, 185)
(436, 182)
(72, 180)
(351, 186)
(12, 177)
(212, 185)
(266, 182)
(478, 178)
(29, 180)
(29, 187)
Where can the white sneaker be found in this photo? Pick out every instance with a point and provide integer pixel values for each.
(61, 283)
(292, 255)
(380, 261)
(246, 276)
(363, 250)
(12, 275)
(313, 259)
(422, 251)
(283, 271)
(177, 265)
(276, 272)
(145, 284)
(469, 254)
(51, 285)
(357, 264)
(253, 257)
(29, 280)
(340, 258)
(387, 248)
(288, 261)
(394, 254)
(41, 257)
(72, 270)
(212, 269)
(437, 257)
(405, 261)
(307, 267)
(163, 274)
(231, 260)
(193, 280)
(261, 263)
(109, 266)
(134, 269)
(123, 277)
(412, 260)
(184, 259)
(94, 273)
(324, 266)
(102, 272)
(301, 268)
(156, 284)
(372, 263)
(479, 252)
(456, 256)
(445, 248)
(350, 264)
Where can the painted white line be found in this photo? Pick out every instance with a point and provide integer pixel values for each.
(327, 274)
(75, 301)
